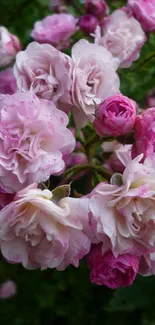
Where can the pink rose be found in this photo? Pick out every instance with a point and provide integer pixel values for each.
(40, 230)
(144, 133)
(33, 140)
(7, 82)
(5, 198)
(113, 163)
(88, 23)
(116, 116)
(94, 79)
(76, 158)
(7, 289)
(144, 11)
(123, 36)
(98, 8)
(9, 46)
(150, 98)
(122, 212)
(55, 30)
(44, 71)
(57, 5)
(114, 272)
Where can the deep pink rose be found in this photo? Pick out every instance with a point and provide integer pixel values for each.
(44, 71)
(7, 289)
(33, 140)
(76, 158)
(150, 98)
(98, 8)
(5, 198)
(9, 46)
(144, 132)
(88, 23)
(7, 82)
(116, 116)
(42, 229)
(123, 36)
(55, 30)
(111, 271)
(144, 11)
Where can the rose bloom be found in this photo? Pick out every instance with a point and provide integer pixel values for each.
(7, 82)
(144, 11)
(41, 231)
(7, 289)
(76, 158)
(115, 116)
(33, 140)
(144, 134)
(57, 6)
(44, 71)
(94, 79)
(150, 98)
(9, 46)
(55, 30)
(114, 272)
(5, 198)
(113, 164)
(88, 23)
(123, 36)
(122, 212)
(98, 8)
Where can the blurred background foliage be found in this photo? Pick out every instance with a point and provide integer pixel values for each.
(48, 297)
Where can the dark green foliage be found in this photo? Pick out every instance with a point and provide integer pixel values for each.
(51, 297)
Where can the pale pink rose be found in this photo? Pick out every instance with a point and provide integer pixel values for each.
(7, 289)
(88, 23)
(144, 133)
(9, 46)
(44, 71)
(94, 79)
(98, 8)
(55, 30)
(123, 36)
(115, 116)
(122, 212)
(7, 82)
(113, 163)
(114, 272)
(40, 230)
(33, 140)
(110, 146)
(144, 11)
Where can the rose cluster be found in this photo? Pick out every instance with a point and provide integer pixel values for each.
(53, 103)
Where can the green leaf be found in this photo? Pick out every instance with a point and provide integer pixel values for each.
(60, 192)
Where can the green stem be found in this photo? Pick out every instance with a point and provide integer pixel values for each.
(77, 169)
(79, 138)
